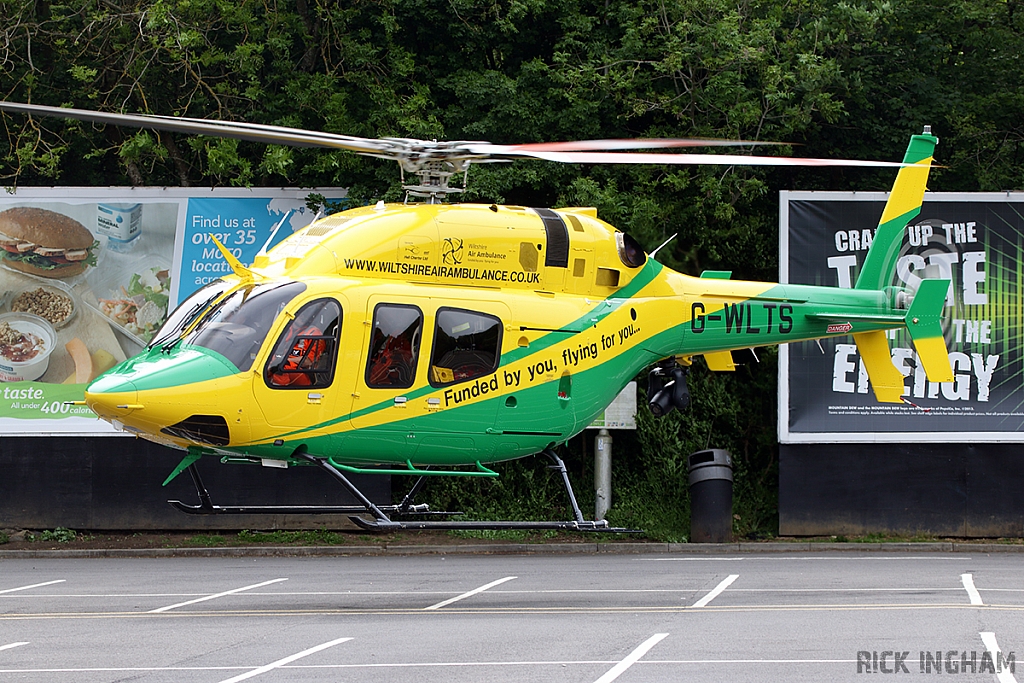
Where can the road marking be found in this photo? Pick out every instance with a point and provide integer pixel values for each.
(631, 658)
(281, 662)
(717, 591)
(989, 638)
(34, 585)
(690, 559)
(565, 591)
(811, 557)
(11, 645)
(912, 589)
(217, 595)
(471, 593)
(433, 665)
(632, 609)
(968, 581)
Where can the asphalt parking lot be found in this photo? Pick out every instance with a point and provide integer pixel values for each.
(581, 618)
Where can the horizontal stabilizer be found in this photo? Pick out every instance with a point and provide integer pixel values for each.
(720, 361)
(924, 322)
(886, 380)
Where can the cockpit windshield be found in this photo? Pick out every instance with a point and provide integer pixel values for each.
(237, 326)
(188, 311)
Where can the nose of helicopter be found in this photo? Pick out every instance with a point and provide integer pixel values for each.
(112, 396)
(157, 391)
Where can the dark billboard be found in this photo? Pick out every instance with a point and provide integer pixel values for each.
(975, 240)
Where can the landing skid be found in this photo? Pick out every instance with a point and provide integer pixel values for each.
(381, 521)
(206, 506)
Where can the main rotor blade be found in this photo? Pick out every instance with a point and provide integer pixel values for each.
(697, 159)
(251, 132)
(415, 154)
(617, 144)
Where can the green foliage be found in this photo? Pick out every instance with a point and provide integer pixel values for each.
(844, 79)
(206, 541)
(4, 538)
(850, 79)
(58, 535)
(304, 537)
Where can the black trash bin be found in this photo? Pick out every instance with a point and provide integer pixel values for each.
(710, 496)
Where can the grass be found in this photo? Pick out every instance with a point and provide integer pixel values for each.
(874, 537)
(519, 535)
(59, 535)
(304, 537)
(206, 541)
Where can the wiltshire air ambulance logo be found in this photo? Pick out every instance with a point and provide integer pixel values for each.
(451, 251)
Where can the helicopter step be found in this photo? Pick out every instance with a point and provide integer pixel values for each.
(206, 506)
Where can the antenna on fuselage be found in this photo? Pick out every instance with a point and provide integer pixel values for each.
(655, 252)
(263, 249)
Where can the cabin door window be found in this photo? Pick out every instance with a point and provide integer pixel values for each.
(467, 345)
(394, 346)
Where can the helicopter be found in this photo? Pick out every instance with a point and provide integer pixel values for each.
(437, 339)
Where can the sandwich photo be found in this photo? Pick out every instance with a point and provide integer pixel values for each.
(45, 243)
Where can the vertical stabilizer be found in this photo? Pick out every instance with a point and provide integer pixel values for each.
(903, 205)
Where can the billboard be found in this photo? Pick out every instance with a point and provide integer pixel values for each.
(87, 276)
(977, 241)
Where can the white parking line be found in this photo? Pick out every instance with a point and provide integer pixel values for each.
(473, 592)
(768, 558)
(1004, 675)
(10, 645)
(840, 589)
(703, 602)
(217, 595)
(281, 662)
(968, 581)
(631, 658)
(690, 559)
(34, 585)
(502, 665)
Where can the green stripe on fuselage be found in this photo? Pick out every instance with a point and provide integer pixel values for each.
(600, 311)
(159, 370)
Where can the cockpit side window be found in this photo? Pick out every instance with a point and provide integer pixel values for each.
(394, 346)
(306, 353)
(237, 326)
(466, 345)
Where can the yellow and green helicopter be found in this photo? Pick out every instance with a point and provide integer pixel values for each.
(434, 339)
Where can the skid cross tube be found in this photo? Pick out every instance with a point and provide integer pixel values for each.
(406, 503)
(560, 466)
(381, 522)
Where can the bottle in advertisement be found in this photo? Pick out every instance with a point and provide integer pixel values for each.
(120, 223)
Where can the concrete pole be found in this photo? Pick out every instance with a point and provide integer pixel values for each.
(602, 474)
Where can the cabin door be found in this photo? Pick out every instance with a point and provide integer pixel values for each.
(296, 388)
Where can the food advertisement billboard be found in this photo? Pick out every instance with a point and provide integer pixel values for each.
(88, 275)
(976, 241)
